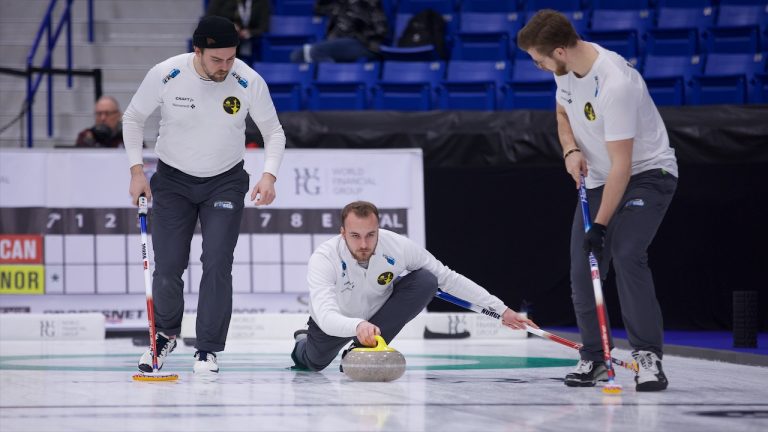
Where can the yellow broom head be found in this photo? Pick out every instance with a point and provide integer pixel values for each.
(155, 376)
(612, 389)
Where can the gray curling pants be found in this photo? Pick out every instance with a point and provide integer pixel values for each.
(630, 232)
(179, 200)
(410, 295)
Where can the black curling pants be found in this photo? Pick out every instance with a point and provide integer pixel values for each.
(179, 200)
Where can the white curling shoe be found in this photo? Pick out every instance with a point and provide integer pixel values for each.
(650, 376)
(205, 363)
(165, 346)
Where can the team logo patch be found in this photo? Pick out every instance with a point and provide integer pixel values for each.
(223, 205)
(385, 278)
(231, 105)
(171, 75)
(240, 80)
(589, 112)
(389, 259)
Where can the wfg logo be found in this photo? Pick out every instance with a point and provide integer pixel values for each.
(307, 181)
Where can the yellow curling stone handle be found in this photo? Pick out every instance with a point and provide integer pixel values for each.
(380, 346)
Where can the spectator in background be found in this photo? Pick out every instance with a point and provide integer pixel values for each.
(356, 29)
(251, 18)
(108, 129)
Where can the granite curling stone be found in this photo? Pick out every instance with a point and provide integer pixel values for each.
(378, 364)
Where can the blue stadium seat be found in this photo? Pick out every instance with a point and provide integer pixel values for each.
(289, 32)
(620, 4)
(621, 42)
(343, 86)
(738, 29)
(408, 86)
(485, 36)
(488, 6)
(473, 85)
(675, 18)
(415, 6)
(530, 87)
(626, 19)
(759, 89)
(294, 25)
(667, 77)
(629, 23)
(678, 30)
(732, 40)
(726, 78)
(288, 83)
(559, 5)
(294, 7)
(683, 3)
(482, 22)
(735, 15)
(677, 42)
(742, 2)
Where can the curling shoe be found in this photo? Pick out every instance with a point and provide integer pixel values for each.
(165, 346)
(587, 374)
(650, 376)
(300, 334)
(205, 362)
(344, 353)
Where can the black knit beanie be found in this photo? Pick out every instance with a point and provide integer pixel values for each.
(215, 32)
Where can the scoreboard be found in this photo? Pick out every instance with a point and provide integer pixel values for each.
(69, 237)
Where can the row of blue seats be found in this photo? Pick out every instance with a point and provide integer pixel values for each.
(632, 33)
(305, 7)
(467, 85)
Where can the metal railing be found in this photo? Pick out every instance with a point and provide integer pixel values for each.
(45, 69)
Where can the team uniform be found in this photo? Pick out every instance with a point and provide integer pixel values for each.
(612, 103)
(201, 146)
(343, 293)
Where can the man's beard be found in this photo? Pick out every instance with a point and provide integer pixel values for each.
(560, 68)
(214, 77)
(356, 253)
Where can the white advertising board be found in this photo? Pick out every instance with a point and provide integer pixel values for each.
(69, 240)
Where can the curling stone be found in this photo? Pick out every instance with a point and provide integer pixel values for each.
(381, 363)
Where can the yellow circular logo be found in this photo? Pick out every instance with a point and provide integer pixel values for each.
(231, 105)
(385, 278)
(589, 112)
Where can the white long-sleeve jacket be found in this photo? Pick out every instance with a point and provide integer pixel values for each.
(342, 293)
(202, 124)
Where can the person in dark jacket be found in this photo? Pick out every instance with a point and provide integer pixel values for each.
(107, 131)
(356, 29)
(251, 18)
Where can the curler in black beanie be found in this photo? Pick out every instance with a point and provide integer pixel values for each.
(215, 32)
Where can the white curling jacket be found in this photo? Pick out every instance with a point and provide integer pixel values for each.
(342, 293)
(202, 124)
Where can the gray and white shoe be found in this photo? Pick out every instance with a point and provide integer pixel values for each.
(205, 362)
(650, 376)
(587, 374)
(165, 346)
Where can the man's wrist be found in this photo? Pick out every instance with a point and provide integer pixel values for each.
(137, 169)
(571, 151)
